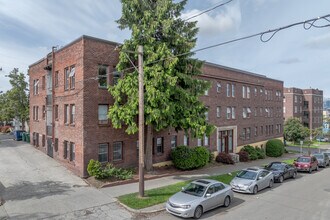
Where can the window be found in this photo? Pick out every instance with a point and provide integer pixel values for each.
(228, 112)
(228, 90)
(255, 112)
(218, 87)
(116, 76)
(72, 151)
(36, 87)
(243, 92)
(232, 90)
(185, 140)
(56, 112)
(72, 113)
(248, 133)
(244, 113)
(173, 141)
(66, 114)
(103, 153)
(206, 140)
(218, 111)
(261, 111)
(103, 114)
(56, 79)
(248, 92)
(43, 142)
(284, 109)
(43, 86)
(300, 109)
(295, 109)
(244, 134)
(256, 131)
(160, 145)
(43, 112)
(117, 151)
(199, 142)
(72, 76)
(295, 99)
(207, 114)
(66, 78)
(36, 113)
(255, 91)
(65, 149)
(36, 138)
(206, 92)
(102, 75)
(233, 115)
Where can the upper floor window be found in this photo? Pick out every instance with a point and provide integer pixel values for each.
(248, 92)
(66, 114)
(233, 114)
(218, 87)
(72, 114)
(244, 92)
(103, 114)
(207, 114)
(232, 90)
(102, 76)
(206, 92)
(228, 112)
(295, 99)
(72, 77)
(228, 90)
(116, 76)
(43, 86)
(56, 79)
(255, 91)
(36, 87)
(66, 78)
(218, 111)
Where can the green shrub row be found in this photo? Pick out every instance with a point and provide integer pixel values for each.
(188, 158)
(96, 169)
(254, 152)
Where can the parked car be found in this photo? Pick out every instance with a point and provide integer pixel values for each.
(198, 197)
(322, 139)
(306, 163)
(282, 171)
(252, 179)
(322, 159)
(327, 153)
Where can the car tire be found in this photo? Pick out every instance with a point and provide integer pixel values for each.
(227, 201)
(255, 189)
(281, 179)
(198, 212)
(310, 170)
(271, 184)
(294, 175)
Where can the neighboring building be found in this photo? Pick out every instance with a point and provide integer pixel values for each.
(326, 103)
(246, 108)
(305, 104)
(326, 120)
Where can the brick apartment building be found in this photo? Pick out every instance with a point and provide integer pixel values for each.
(246, 108)
(305, 104)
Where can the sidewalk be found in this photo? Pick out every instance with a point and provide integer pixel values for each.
(117, 191)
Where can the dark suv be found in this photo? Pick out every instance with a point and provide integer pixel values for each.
(306, 163)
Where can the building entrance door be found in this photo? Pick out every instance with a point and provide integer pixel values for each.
(50, 147)
(226, 141)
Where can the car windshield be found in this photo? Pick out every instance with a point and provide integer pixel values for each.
(327, 153)
(318, 156)
(304, 159)
(194, 189)
(245, 174)
(276, 166)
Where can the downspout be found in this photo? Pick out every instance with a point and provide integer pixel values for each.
(53, 98)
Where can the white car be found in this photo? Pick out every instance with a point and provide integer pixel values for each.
(252, 180)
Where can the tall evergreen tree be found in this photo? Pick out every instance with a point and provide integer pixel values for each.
(172, 86)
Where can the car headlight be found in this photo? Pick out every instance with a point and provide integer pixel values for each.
(186, 206)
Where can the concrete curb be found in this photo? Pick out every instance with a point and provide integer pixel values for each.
(141, 211)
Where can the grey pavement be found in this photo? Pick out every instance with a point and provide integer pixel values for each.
(312, 150)
(34, 186)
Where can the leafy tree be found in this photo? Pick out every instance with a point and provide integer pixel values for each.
(172, 87)
(317, 132)
(15, 101)
(294, 130)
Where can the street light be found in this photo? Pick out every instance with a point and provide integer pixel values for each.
(141, 114)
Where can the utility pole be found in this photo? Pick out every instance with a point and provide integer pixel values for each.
(141, 122)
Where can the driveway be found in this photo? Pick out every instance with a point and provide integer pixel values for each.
(34, 186)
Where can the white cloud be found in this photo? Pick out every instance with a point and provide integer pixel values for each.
(229, 18)
(319, 42)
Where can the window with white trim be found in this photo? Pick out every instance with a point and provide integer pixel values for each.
(218, 111)
(103, 152)
(103, 114)
(117, 151)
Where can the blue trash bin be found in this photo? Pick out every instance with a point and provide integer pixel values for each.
(18, 135)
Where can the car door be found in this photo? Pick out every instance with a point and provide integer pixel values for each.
(264, 181)
(314, 163)
(210, 198)
(287, 172)
(220, 191)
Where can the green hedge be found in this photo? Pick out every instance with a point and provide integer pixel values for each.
(96, 169)
(254, 153)
(274, 148)
(188, 158)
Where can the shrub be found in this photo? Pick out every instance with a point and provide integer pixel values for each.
(260, 153)
(274, 148)
(243, 156)
(252, 152)
(224, 158)
(186, 158)
(202, 156)
(95, 168)
(211, 156)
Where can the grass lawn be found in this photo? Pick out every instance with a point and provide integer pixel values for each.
(289, 161)
(162, 194)
(313, 144)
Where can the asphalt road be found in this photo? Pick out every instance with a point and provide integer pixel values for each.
(305, 150)
(307, 197)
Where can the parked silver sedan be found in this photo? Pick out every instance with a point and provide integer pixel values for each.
(251, 180)
(198, 197)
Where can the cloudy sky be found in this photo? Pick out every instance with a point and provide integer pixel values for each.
(299, 57)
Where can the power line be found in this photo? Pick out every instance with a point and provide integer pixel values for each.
(306, 24)
(208, 10)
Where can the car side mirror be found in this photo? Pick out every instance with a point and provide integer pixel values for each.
(260, 177)
(208, 195)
